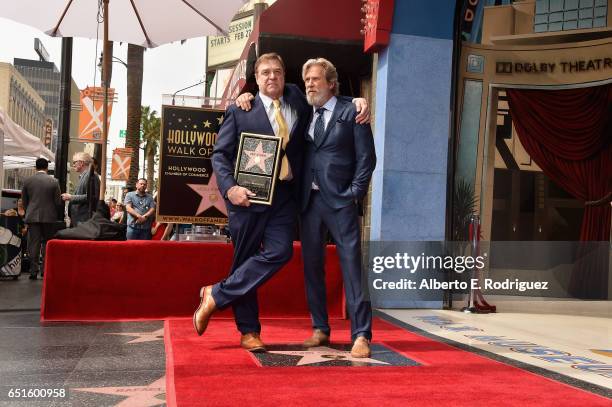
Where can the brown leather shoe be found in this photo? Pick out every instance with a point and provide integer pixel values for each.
(206, 308)
(252, 342)
(318, 338)
(361, 348)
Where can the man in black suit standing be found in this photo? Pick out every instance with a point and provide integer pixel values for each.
(262, 235)
(41, 200)
(82, 202)
(338, 163)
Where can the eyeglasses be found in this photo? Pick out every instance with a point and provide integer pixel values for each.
(77, 161)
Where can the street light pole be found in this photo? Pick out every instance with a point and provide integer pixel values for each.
(188, 87)
(63, 131)
(105, 70)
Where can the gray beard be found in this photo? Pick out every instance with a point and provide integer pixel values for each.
(315, 100)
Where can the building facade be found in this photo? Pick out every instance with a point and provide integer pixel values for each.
(26, 108)
(21, 101)
(544, 45)
(45, 78)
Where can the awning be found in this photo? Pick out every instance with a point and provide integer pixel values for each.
(19, 148)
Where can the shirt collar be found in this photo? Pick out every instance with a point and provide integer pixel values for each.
(329, 105)
(267, 100)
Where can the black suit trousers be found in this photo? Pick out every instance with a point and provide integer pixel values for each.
(38, 235)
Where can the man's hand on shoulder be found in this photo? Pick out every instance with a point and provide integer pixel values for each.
(244, 101)
(363, 111)
(239, 196)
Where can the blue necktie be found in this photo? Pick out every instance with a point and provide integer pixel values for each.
(319, 128)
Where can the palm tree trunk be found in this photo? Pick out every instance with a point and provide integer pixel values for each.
(134, 99)
(151, 168)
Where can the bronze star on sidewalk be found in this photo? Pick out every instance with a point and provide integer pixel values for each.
(321, 354)
(137, 396)
(143, 336)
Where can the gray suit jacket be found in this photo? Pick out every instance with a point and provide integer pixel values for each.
(78, 208)
(41, 198)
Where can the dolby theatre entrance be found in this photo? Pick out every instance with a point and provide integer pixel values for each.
(531, 155)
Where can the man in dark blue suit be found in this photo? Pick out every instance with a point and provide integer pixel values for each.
(338, 163)
(262, 235)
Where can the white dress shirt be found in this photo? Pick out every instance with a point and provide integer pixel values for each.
(329, 109)
(288, 113)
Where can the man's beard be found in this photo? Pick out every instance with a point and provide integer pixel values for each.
(315, 99)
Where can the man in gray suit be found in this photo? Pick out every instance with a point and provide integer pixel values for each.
(41, 200)
(80, 208)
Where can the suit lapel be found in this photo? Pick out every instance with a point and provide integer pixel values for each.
(332, 122)
(289, 98)
(81, 187)
(262, 116)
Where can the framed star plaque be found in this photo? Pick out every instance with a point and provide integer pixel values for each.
(257, 165)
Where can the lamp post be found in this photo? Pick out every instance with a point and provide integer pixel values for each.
(115, 59)
(203, 81)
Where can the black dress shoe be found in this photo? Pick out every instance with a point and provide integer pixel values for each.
(33, 277)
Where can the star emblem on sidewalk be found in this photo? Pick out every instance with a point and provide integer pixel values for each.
(321, 354)
(137, 396)
(142, 336)
(257, 158)
(220, 120)
(210, 196)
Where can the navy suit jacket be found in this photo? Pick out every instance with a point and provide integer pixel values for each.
(256, 121)
(342, 161)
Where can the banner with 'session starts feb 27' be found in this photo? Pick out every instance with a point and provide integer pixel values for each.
(188, 191)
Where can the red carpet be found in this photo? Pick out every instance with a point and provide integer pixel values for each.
(213, 371)
(93, 281)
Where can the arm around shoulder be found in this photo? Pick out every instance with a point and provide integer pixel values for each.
(225, 151)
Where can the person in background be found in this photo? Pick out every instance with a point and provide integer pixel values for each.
(140, 207)
(119, 213)
(22, 230)
(161, 231)
(79, 207)
(41, 200)
(112, 206)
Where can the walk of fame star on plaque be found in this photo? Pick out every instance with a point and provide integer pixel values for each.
(333, 355)
(257, 165)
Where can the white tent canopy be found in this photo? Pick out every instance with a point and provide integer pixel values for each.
(19, 148)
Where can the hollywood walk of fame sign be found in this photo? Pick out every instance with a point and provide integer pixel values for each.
(333, 355)
(188, 190)
(257, 165)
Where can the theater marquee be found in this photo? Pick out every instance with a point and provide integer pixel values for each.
(568, 66)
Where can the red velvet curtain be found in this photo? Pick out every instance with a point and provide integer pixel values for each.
(568, 134)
